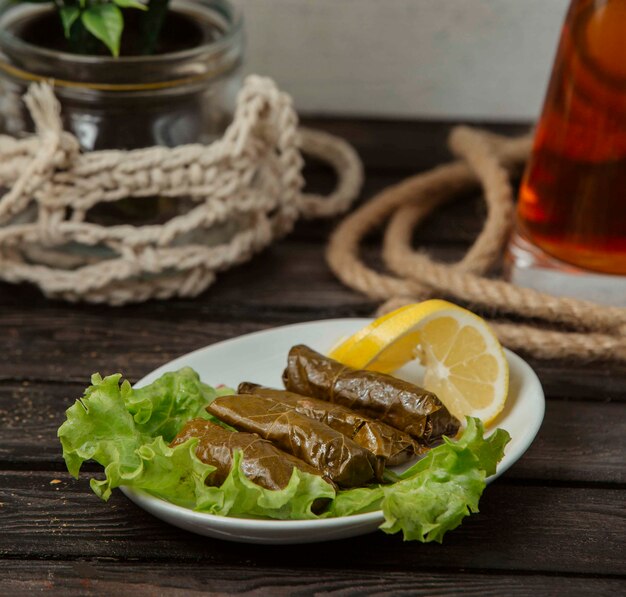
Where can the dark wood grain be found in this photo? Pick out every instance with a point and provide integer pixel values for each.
(401, 146)
(553, 524)
(575, 443)
(530, 528)
(467, 212)
(569, 445)
(289, 283)
(93, 577)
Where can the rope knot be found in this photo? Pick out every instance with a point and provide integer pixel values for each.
(44, 108)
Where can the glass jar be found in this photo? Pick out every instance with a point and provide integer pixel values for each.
(184, 95)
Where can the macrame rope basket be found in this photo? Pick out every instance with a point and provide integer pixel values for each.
(245, 190)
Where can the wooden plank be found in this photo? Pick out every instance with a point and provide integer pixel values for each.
(529, 528)
(541, 527)
(51, 340)
(39, 337)
(320, 233)
(579, 441)
(65, 344)
(467, 211)
(599, 382)
(148, 579)
(404, 146)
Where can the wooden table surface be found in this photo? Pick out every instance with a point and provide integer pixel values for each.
(553, 524)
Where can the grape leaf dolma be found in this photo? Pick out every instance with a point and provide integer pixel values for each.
(262, 462)
(397, 402)
(330, 452)
(390, 445)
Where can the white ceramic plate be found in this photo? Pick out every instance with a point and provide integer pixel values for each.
(261, 358)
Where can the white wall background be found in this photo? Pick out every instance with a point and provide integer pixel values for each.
(474, 59)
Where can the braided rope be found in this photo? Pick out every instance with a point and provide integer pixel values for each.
(247, 186)
(592, 331)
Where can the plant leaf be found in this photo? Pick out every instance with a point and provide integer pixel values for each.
(105, 21)
(130, 4)
(151, 25)
(69, 14)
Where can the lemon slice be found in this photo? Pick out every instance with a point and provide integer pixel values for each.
(465, 364)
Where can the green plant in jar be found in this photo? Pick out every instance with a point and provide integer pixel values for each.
(90, 26)
(128, 74)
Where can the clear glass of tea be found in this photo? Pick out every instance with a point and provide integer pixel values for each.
(570, 233)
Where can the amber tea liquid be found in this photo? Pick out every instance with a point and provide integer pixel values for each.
(572, 201)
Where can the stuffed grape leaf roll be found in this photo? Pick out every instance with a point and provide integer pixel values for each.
(262, 462)
(330, 452)
(390, 445)
(397, 402)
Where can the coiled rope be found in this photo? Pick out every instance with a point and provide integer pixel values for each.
(556, 327)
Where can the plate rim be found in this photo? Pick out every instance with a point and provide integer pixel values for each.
(141, 497)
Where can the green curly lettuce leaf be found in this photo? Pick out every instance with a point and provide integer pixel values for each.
(128, 431)
(435, 494)
(165, 405)
(357, 501)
